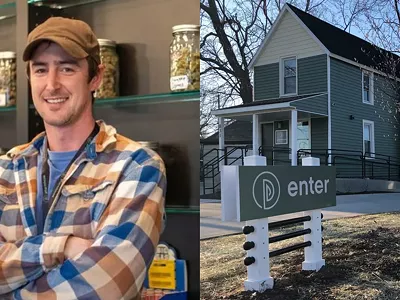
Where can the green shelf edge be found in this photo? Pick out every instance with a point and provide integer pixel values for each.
(150, 99)
(8, 5)
(7, 10)
(133, 100)
(182, 210)
(8, 108)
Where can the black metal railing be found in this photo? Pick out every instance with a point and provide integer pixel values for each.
(348, 163)
(356, 164)
(210, 170)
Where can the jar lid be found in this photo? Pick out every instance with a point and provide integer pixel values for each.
(105, 42)
(185, 27)
(7, 54)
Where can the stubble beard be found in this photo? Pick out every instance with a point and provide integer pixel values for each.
(67, 119)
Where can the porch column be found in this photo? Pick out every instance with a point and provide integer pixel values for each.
(256, 134)
(221, 130)
(293, 137)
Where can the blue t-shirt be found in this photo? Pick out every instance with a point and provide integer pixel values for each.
(58, 161)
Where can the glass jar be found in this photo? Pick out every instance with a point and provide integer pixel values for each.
(8, 78)
(185, 58)
(109, 88)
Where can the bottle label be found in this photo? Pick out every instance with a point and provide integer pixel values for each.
(179, 82)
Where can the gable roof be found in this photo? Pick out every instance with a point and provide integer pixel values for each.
(337, 41)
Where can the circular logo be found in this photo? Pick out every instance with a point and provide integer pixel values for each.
(266, 190)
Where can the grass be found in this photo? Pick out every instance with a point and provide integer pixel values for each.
(362, 256)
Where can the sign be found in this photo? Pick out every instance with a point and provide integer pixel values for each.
(162, 274)
(266, 191)
(166, 273)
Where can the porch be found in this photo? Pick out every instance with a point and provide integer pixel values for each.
(283, 125)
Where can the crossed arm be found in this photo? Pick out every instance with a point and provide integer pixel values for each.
(113, 266)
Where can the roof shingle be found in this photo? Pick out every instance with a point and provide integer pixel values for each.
(345, 44)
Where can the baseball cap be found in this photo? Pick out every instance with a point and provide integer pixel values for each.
(74, 36)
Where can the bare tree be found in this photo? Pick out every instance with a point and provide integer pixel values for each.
(231, 33)
(349, 14)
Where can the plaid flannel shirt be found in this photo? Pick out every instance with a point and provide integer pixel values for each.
(114, 193)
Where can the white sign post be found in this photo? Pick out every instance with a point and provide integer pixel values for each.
(313, 254)
(258, 276)
(278, 192)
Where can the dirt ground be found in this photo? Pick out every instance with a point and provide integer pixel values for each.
(362, 256)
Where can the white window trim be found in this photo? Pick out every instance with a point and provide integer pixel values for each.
(371, 87)
(373, 138)
(281, 78)
(287, 139)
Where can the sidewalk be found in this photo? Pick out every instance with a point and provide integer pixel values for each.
(347, 206)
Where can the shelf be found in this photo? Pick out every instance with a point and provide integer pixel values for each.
(60, 4)
(149, 99)
(7, 108)
(182, 210)
(137, 100)
(7, 10)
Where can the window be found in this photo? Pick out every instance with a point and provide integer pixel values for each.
(289, 76)
(281, 137)
(368, 139)
(367, 88)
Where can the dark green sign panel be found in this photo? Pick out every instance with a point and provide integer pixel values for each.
(276, 190)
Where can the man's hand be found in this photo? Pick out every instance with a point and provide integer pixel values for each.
(76, 245)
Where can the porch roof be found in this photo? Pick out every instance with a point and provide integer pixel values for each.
(280, 107)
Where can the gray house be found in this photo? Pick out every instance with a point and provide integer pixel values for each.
(322, 91)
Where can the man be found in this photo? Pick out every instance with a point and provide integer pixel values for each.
(81, 206)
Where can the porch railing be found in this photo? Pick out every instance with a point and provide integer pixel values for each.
(356, 164)
(348, 163)
(210, 170)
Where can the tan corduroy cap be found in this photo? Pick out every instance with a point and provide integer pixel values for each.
(74, 36)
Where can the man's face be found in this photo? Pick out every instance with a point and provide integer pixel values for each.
(60, 88)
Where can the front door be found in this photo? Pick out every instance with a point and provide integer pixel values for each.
(268, 142)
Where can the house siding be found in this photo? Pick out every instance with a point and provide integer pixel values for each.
(289, 38)
(346, 100)
(317, 104)
(319, 137)
(266, 82)
(312, 78)
(312, 75)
